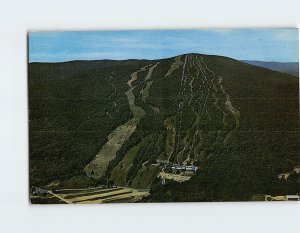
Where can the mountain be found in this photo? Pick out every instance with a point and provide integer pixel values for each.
(123, 121)
(283, 67)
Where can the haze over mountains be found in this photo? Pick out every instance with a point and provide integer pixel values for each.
(93, 121)
(284, 67)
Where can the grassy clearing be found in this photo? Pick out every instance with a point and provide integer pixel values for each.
(100, 196)
(145, 92)
(175, 177)
(120, 194)
(70, 196)
(137, 112)
(98, 166)
(133, 197)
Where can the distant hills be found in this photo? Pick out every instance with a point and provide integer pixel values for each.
(94, 122)
(284, 67)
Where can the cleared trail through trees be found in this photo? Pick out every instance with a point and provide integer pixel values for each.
(119, 136)
(138, 112)
(180, 109)
(176, 65)
(228, 104)
(209, 87)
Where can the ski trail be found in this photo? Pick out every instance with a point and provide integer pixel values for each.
(192, 145)
(190, 84)
(98, 166)
(149, 75)
(198, 117)
(214, 94)
(114, 89)
(204, 73)
(179, 109)
(145, 92)
(228, 104)
(176, 65)
(115, 140)
(183, 93)
(112, 93)
(137, 111)
(195, 125)
(134, 75)
(183, 75)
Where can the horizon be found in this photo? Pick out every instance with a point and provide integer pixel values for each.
(265, 45)
(106, 59)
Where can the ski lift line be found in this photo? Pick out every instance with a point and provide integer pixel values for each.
(180, 108)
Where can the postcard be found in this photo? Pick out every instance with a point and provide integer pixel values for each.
(143, 116)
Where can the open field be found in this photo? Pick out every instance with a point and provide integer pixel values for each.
(175, 177)
(101, 195)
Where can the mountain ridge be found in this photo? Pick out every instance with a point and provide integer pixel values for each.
(284, 67)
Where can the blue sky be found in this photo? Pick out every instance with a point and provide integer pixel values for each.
(243, 44)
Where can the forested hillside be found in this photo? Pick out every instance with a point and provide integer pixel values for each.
(94, 121)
